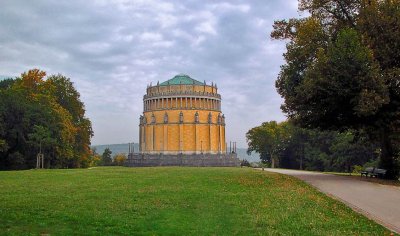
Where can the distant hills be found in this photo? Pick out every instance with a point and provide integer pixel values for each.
(124, 148)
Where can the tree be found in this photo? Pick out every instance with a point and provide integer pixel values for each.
(40, 138)
(119, 159)
(268, 140)
(65, 94)
(94, 158)
(106, 157)
(342, 73)
(34, 108)
(313, 149)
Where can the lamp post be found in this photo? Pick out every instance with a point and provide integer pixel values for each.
(201, 147)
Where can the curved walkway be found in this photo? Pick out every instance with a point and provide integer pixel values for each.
(378, 202)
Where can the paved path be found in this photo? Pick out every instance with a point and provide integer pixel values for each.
(378, 202)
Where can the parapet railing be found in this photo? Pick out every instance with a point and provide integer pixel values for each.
(174, 93)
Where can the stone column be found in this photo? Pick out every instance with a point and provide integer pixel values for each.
(220, 138)
(180, 138)
(196, 132)
(210, 137)
(152, 137)
(144, 138)
(140, 138)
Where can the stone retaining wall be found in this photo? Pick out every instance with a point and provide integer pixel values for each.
(204, 160)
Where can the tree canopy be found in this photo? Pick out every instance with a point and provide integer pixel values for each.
(268, 140)
(106, 159)
(286, 145)
(342, 70)
(38, 111)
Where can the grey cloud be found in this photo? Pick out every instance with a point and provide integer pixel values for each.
(113, 49)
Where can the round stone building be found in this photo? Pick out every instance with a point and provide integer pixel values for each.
(182, 116)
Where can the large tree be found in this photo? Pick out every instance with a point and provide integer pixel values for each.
(35, 109)
(342, 69)
(268, 140)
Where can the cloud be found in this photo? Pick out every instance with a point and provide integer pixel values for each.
(111, 50)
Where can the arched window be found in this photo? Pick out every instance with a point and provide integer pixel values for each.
(153, 119)
(209, 118)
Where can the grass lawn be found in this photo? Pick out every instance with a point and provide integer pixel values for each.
(170, 201)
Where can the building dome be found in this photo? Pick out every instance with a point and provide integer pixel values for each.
(181, 79)
(182, 116)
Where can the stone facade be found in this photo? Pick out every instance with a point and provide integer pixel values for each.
(182, 116)
(182, 125)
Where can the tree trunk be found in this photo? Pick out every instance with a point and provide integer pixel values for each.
(301, 157)
(272, 162)
(387, 161)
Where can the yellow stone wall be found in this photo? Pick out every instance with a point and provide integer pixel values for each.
(187, 137)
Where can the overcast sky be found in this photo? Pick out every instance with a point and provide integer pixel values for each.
(112, 49)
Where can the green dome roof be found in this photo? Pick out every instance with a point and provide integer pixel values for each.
(182, 79)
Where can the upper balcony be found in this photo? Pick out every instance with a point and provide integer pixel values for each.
(181, 93)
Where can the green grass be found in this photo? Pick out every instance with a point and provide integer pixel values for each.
(170, 201)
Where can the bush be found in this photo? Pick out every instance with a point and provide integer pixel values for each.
(245, 163)
(119, 159)
(357, 169)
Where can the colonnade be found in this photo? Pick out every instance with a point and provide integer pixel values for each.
(148, 140)
(182, 103)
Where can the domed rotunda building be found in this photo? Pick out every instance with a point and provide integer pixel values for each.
(182, 124)
(182, 115)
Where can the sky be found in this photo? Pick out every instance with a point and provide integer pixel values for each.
(112, 49)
